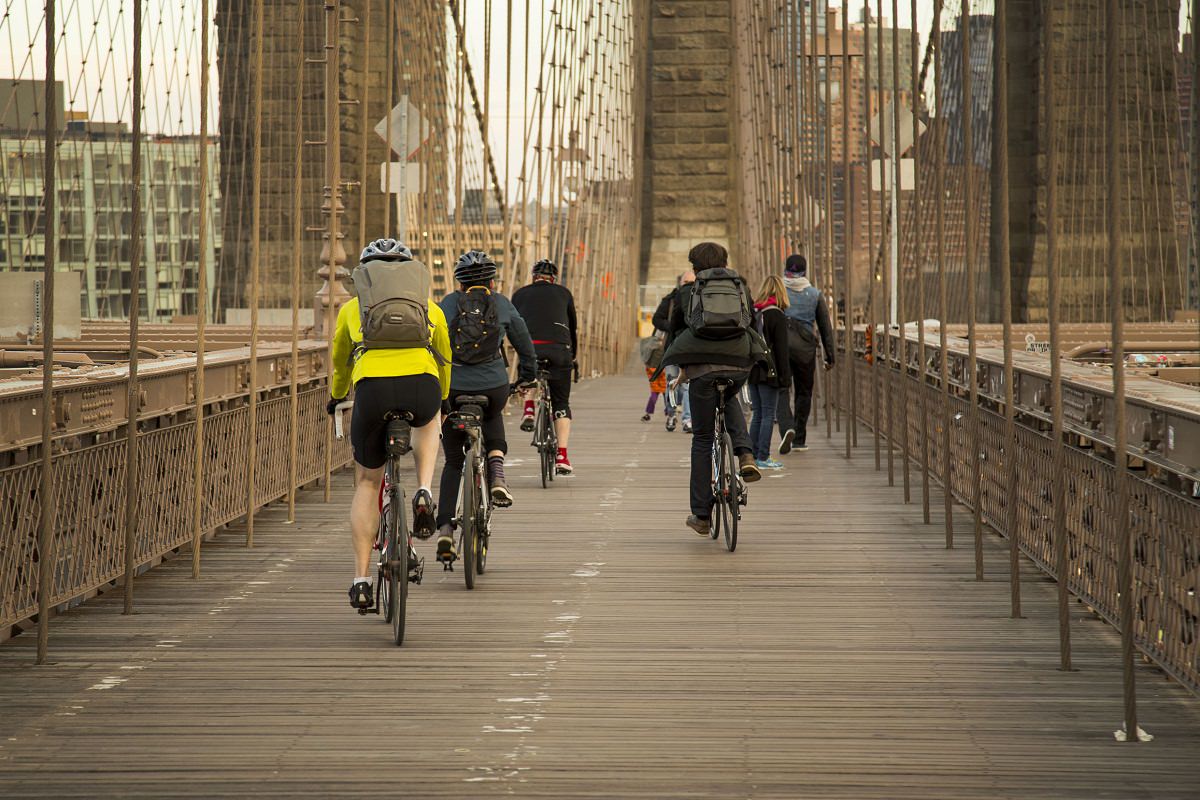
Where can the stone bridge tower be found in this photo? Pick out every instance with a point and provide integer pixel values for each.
(688, 191)
(419, 73)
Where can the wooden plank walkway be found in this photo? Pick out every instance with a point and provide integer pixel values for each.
(608, 653)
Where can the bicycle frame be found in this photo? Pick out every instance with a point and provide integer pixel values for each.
(474, 452)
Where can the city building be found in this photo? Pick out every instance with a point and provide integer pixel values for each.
(93, 217)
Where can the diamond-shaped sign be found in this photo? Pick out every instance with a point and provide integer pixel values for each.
(883, 137)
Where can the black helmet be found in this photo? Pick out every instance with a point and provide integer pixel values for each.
(385, 250)
(546, 267)
(474, 267)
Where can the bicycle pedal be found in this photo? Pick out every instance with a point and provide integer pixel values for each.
(362, 612)
(416, 572)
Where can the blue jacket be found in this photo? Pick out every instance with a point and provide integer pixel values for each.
(806, 304)
(479, 377)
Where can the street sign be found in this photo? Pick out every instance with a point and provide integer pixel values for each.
(883, 137)
(881, 174)
(409, 131)
(404, 177)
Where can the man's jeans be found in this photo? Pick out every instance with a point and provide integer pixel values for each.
(765, 398)
(704, 410)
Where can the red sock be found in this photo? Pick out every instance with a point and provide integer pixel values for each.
(529, 408)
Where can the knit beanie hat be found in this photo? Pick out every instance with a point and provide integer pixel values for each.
(795, 265)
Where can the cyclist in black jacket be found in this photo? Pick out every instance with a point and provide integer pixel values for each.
(549, 312)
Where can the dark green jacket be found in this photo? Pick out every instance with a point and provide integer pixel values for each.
(688, 348)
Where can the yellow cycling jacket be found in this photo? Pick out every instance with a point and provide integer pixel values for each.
(386, 363)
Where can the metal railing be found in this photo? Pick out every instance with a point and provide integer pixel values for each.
(1164, 495)
(88, 548)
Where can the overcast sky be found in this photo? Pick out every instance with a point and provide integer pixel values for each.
(97, 77)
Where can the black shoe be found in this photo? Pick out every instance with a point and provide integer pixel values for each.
(645, 417)
(700, 525)
(785, 445)
(362, 596)
(527, 423)
(423, 510)
(671, 423)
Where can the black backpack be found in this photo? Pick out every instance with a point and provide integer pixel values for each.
(718, 307)
(475, 331)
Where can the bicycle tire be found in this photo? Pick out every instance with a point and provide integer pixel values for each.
(547, 448)
(470, 505)
(730, 505)
(714, 529)
(398, 574)
(482, 535)
(383, 597)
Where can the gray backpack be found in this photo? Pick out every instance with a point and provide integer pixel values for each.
(718, 306)
(393, 301)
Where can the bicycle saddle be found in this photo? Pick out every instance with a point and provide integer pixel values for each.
(471, 400)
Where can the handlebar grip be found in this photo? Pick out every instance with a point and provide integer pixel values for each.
(338, 428)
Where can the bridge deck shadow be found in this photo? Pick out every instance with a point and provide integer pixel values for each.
(608, 652)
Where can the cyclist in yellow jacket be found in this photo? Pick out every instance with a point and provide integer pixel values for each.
(384, 380)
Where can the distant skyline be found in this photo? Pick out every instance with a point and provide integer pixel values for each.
(97, 76)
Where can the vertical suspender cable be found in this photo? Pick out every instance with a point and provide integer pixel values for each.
(363, 105)
(509, 251)
(332, 254)
(255, 271)
(827, 259)
(1001, 212)
(968, 167)
(885, 221)
(389, 89)
(847, 237)
(297, 236)
(873, 293)
(1125, 583)
(133, 401)
(198, 493)
(898, 276)
(46, 548)
(919, 251)
(939, 166)
(1062, 565)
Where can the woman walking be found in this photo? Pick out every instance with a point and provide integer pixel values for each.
(765, 390)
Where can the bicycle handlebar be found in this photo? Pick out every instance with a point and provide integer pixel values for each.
(338, 432)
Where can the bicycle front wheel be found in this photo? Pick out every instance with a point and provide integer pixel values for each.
(729, 504)
(470, 503)
(397, 544)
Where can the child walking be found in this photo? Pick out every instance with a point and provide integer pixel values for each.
(657, 386)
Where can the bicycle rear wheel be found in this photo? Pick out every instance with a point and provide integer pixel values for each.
(397, 543)
(470, 503)
(539, 440)
(482, 535)
(383, 593)
(718, 463)
(729, 504)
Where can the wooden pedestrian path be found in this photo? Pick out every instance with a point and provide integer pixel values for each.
(608, 653)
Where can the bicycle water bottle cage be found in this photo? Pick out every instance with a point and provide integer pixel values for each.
(399, 437)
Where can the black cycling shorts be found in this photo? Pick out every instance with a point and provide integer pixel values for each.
(419, 395)
(560, 360)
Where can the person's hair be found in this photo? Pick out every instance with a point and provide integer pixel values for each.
(687, 276)
(708, 255)
(796, 264)
(773, 287)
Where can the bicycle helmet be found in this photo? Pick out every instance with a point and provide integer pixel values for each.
(546, 267)
(385, 250)
(474, 267)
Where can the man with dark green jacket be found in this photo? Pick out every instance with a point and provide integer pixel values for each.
(704, 362)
